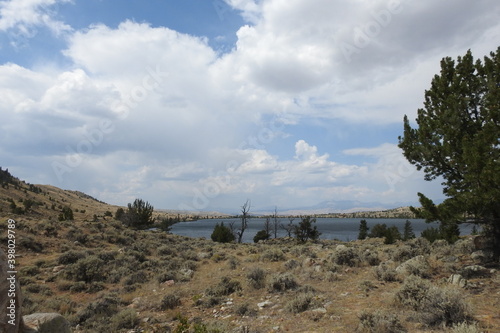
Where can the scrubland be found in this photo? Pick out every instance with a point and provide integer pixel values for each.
(104, 277)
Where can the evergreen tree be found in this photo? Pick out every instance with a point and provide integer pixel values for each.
(408, 231)
(392, 234)
(139, 214)
(261, 235)
(379, 230)
(222, 234)
(306, 231)
(457, 140)
(363, 229)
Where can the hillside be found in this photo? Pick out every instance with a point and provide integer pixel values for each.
(104, 277)
(46, 201)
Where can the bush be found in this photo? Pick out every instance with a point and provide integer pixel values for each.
(103, 308)
(300, 303)
(380, 323)
(245, 310)
(344, 255)
(282, 282)
(225, 287)
(257, 278)
(466, 328)
(170, 301)
(139, 277)
(273, 254)
(126, 318)
(436, 306)
(88, 269)
(386, 272)
(222, 234)
(70, 257)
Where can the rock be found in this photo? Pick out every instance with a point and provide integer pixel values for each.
(57, 269)
(475, 271)
(458, 280)
(46, 323)
(481, 256)
(264, 304)
(417, 265)
(319, 310)
(11, 321)
(341, 247)
(169, 283)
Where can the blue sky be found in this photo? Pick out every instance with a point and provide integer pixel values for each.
(201, 105)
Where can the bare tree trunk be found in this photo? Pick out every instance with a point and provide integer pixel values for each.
(245, 216)
(276, 222)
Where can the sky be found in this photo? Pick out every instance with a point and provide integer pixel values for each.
(202, 105)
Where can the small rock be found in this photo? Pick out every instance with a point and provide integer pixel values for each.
(264, 304)
(169, 283)
(475, 271)
(319, 310)
(458, 280)
(47, 322)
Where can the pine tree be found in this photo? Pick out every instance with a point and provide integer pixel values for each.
(457, 140)
(408, 231)
(363, 229)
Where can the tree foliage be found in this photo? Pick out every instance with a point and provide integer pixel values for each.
(261, 235)
(363, 229)
(306, 231)
(458, 140)
(139, 214)
(408, 231)
(222, 234)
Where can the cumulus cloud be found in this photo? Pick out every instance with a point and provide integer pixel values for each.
(24, 16)
(144, 110)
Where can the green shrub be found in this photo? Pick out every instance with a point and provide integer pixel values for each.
(435, 306)
(466, 328)
(386, 272)
(257, 278)
(344, 255)
(380, 323)
(126, 318)
(70, 257)
(300, 303)
(225, 287)
(139, 277)
(273, 254)
(245, 310)
(282, 282)
(101, 309)
(170, 301)
(30, 270)
(87, 269)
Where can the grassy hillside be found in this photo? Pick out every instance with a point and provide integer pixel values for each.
(104, 277)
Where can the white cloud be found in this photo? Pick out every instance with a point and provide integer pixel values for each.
(188, 126)
(25, 15)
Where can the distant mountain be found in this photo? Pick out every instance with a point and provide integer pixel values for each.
(335, 207)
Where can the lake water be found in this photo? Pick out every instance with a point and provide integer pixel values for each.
(330, 228)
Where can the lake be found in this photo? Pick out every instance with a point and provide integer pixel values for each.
(330, 228)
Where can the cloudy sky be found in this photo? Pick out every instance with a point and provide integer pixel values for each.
(203, 104)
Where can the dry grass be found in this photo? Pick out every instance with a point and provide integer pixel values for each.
(115, 279)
